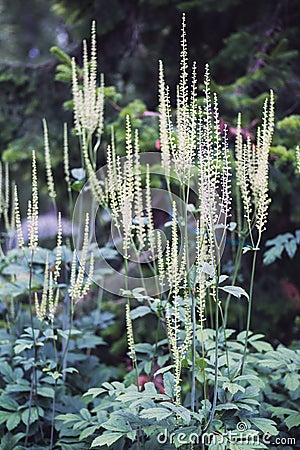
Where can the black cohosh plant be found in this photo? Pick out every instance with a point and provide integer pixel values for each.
(198, 376)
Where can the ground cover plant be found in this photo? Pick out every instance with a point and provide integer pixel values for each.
(189, 381)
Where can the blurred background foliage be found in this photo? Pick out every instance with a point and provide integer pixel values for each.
(251, 47)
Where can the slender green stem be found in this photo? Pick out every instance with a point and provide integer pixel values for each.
(204, 374)
(67, 341)
(53, 418)
(54, 395)
(215, 394)
(34, 377)
(237, 265)
(193, 386)
(225, 341)
(249, 308)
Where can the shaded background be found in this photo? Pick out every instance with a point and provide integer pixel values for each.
(250, 46)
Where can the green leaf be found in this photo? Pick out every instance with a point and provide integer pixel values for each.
(8, 403)
(155, 413)
(13, 421)
(265, 425)
(89, 340)
(140, 311)
(107, 438)
(225, 406)
(261, 346)
(181, 411)
(34, 415)
(236, 291)
(94, 392)
(169, 384)
(233, 388)
(163, 370)
(143, 348)
(88, 431)
(7, 371)
(9, 441)
(293, 420)
(291, 248)
(4, 416)
(85, 414)
(22, 344)
(45, 392)
(291, 381)
(68, 418)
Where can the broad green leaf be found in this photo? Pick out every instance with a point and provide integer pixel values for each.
(68, 418)
(251, 379)
(85, 414)
(88, 431)
(140, 311)
(225, 406)
(169, 384)
(143, 348)
(181, 411)
(13, 421)
(291, 248)
(89, 340)
(233, 388)
(261, 346)
(293, 420)
(155, 413)
(291, 381)
(4, 416)
(94, 392)
(116, 424)
(45, 391)
(32, 415)
(6, 370)
(265, 425)
(8, 403)
(107, 438)
(22, 344)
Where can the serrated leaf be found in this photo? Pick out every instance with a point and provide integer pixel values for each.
(179, 410)
(291, 248)
(4, 416)
(291, 381)
(225, 406)
(8, 403)
(13, 421)
(107, 438)
(85, 414)
(94, 392)
(45, 391)
(233, 388)
(88, 431)
(169, 384)
(32, 415)
(265, 425)
(293, 420)
(261, 346)
(155, 413)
